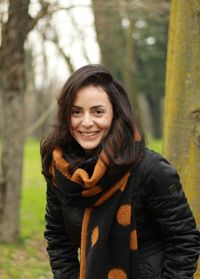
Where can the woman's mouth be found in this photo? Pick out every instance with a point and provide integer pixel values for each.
(88, 134)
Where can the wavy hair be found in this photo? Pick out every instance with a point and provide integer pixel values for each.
(119, 144)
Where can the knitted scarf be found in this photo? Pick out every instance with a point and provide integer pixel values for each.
(109, 236)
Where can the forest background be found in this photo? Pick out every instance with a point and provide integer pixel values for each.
(152, 46)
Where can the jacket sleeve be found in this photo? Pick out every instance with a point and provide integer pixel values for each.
(170, 210)
(62, 251)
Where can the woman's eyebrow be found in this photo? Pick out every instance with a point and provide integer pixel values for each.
(97, 107)
(93, 107)
(77, 107)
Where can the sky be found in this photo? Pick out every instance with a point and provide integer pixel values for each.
(69, 40)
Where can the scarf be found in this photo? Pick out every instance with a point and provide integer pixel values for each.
(109, 236)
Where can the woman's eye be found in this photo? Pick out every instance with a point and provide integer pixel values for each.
(75, 112)
(99, 112)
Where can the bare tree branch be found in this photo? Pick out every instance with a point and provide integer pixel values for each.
(42, 118)
(81, 37)
(55, 39)
(66, 57)
(48, 9)
(43, 12)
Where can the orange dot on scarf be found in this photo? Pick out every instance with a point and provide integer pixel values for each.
(117, 273)
(91, 191)
(133, 240)
(95, 236)
(124, 215)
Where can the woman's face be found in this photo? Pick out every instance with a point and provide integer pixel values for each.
(91, 117)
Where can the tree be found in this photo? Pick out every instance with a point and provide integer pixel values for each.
(150, 55)
(13, 83)
(182, 105)
(110, 35)
(125, 51)
(17, 19)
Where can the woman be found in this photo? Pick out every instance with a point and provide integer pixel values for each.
(121, 203)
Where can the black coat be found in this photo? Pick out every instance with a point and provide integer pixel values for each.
(168, 240)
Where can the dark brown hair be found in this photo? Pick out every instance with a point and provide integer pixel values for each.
(119, 144)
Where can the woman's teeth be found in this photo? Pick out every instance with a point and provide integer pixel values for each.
(88, 133)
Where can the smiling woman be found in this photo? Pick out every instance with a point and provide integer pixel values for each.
(108, 194)
(91, 117)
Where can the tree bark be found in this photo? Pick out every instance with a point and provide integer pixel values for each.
(110, 35)
(128, 69)
(13, 85)
(182, 103)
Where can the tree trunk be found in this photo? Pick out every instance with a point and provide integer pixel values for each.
(128, 69)
(110, 35)
(13, 86)
(182, 103)
(12, 156)
(156, 107)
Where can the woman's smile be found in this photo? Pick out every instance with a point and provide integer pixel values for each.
(88, 134)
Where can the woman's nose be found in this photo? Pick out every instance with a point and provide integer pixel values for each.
(87, 120)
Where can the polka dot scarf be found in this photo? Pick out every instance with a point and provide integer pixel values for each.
(109, 236)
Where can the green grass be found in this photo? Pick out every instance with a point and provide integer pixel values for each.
(155, 144)
(33, 194)
(28, 258)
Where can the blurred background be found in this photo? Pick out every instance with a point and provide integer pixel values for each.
(41, 44)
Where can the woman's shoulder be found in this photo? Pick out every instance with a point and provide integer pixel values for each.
(156, 167)
(154, 160)
(151, 160)
(153, 155)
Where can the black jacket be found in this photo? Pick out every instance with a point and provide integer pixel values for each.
(168, 240)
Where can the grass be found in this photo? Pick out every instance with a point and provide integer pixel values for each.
(155, 144)
(28, 258)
